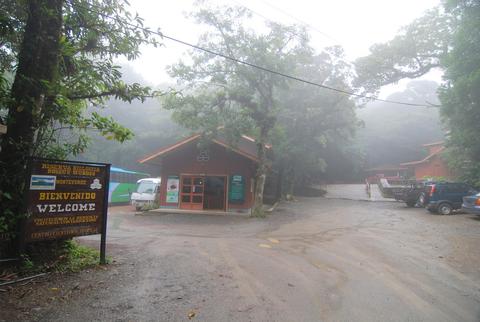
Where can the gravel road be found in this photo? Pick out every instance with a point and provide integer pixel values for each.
(315, 259)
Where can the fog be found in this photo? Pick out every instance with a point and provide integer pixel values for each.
(354, 25)
(384, 133)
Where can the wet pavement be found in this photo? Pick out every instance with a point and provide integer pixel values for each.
(316, 259)
(354, 192)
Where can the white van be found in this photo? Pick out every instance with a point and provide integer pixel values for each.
(148, 190)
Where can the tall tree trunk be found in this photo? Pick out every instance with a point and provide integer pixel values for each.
(290, 182)
(261, 175)
(35, 79)
(279, 182)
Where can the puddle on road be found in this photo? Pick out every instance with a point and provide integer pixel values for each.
(264, 246)
(273, 240)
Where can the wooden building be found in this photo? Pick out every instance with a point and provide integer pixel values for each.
(433, 165)
(219, 177)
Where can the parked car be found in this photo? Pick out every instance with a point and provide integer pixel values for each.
(410, 194)
(147, 192)
(471, 204)
(445, 197)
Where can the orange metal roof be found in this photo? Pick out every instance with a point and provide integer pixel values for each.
(434, 143)
(242, 151)
(170, 148)
(426, 159)
(391, 167)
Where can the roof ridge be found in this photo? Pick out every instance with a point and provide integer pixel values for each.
(425, 159)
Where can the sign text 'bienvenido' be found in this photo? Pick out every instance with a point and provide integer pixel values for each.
(65, 199)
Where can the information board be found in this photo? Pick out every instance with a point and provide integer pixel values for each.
(236, 191)
(173, 184)
(66, 199)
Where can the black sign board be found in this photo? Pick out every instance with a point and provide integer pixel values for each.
(66, 199)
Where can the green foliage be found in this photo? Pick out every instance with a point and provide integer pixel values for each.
(56, 59)
(394, 134)
(445, 37)
(417, 49)
(77, 257)
(152, 125)
(435, 178)
(60, 256)
(27, 264)
(303, 123)
(220, 92)
(315, 125)
(460, 93)
(150, 206)
(94, 34)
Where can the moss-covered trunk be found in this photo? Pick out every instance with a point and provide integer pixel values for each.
(261, 174)
(34, 81)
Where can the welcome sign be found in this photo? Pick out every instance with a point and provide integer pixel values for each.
(66, 199)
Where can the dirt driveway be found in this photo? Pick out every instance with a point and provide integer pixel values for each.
(312, 260)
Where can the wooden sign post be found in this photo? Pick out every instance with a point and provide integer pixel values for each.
(67, 199)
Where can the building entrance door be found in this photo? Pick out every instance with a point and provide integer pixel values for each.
(191, 192)
(214, 196)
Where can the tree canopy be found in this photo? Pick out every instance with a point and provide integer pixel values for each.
(394, 134)
(57, 58)
(446, 37)
(299, 119)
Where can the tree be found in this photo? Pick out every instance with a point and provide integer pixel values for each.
(419, 47)
(314, 123)
(219, 91)
(446, 37)
(36, 73)
(149, 118)
(393, 134)
(460, 95)
(61, 56)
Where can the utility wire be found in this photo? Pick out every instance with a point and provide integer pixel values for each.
(239, 61)
(303, 23)
(300, 21)
(242, 62)
(265, 18)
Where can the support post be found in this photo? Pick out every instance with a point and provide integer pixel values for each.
(103, 238)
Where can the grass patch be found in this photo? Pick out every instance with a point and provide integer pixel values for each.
(59, 256)
(77, 257)
(150, 206)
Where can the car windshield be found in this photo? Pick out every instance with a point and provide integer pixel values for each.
(146, 187)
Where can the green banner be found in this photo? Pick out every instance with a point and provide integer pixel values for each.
(236, 191)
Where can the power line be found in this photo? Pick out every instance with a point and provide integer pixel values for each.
(304, 24)
(301, 21)
(266, 18)
(239, 61)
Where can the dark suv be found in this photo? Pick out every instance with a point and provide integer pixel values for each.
(444, 197)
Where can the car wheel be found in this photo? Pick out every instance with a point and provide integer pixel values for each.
(445, 209)
(410, 204)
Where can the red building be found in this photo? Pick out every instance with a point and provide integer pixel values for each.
(218, 177)
(431, 166)
(387, 172)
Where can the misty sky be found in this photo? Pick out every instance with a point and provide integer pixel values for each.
(355, 25)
